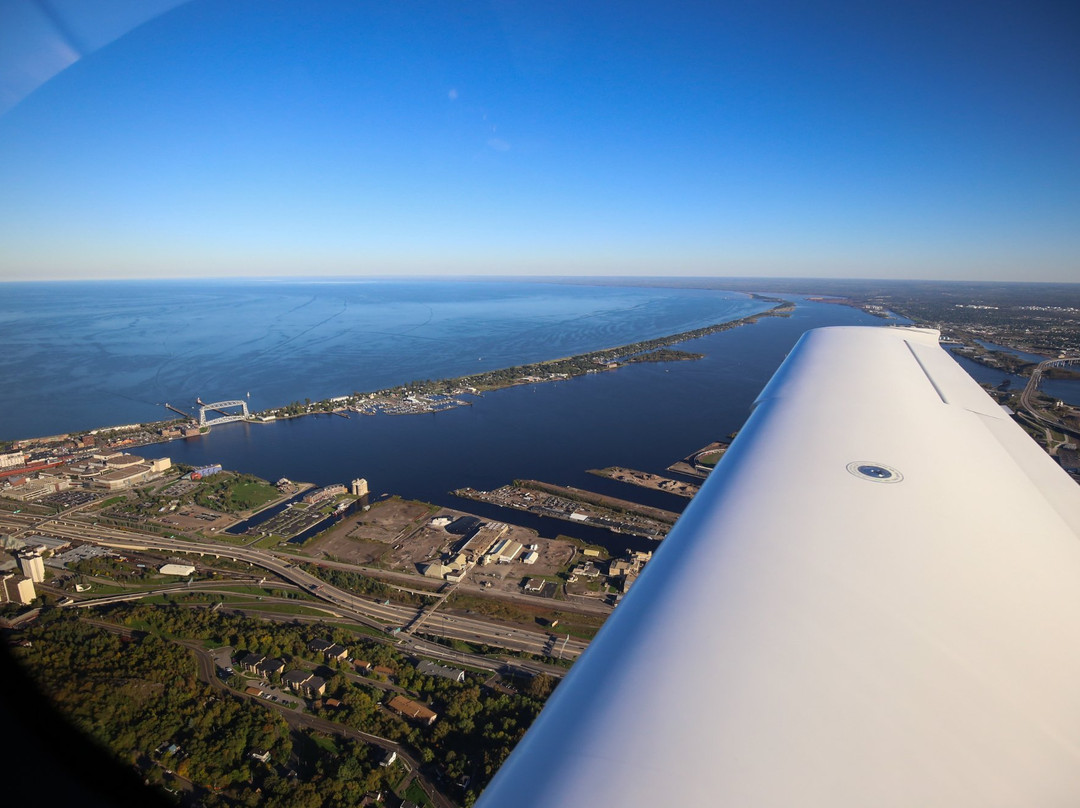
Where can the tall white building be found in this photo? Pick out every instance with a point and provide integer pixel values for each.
(359, 487)
(32, 566)
(17, 589)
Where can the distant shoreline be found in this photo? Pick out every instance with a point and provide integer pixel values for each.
(427, 396)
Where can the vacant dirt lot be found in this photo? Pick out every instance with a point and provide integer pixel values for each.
(397, 534)
(193, 517)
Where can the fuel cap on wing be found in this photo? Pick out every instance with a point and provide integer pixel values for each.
(875, 472)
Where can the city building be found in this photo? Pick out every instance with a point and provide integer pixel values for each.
(26, 489)
(117, 460)
(359, 487)
(32, 564)
(250, 661)
(429, 668)
(325, 493)
(260, 665)
(328, 649)
(17, 589)
(304, 683)
(270, 666)
(121, 473)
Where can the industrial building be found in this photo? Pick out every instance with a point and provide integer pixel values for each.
(177, 569)
(482, 540)
(505, 551)
(12, 460)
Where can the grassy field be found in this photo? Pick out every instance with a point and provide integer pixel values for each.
(249, 495)
(326, 743)
(709, 460)
(417, 795)
(281, 608)
(582, 626)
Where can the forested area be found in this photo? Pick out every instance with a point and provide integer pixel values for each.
(365, 585)
(138, 694)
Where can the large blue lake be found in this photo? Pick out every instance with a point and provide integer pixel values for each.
(644, 416)
(84, 355)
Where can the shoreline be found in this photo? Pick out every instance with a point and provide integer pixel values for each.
(427, 396)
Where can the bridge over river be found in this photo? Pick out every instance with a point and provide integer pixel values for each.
(1027, 397)
(225, 416)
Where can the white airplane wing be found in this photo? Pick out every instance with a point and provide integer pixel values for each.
(874, 601)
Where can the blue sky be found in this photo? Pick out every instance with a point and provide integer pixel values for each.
(910, 140)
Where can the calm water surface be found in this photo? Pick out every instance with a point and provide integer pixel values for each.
(1067, 390)
(94, 354)
(643, 416)
(84, 355)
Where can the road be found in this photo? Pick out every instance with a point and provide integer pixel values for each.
(374, 614)
(1032, 386)
(404, 579)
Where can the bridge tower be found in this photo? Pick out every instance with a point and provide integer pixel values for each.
(226, 417)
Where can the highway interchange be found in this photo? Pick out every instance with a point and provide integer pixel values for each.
(382, 615)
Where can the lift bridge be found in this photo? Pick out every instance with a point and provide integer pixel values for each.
(221, 407)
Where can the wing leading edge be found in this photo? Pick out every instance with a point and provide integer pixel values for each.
(874, 600)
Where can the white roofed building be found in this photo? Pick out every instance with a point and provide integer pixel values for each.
(177, 569)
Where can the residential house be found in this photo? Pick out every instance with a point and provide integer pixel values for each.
(408, 708)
